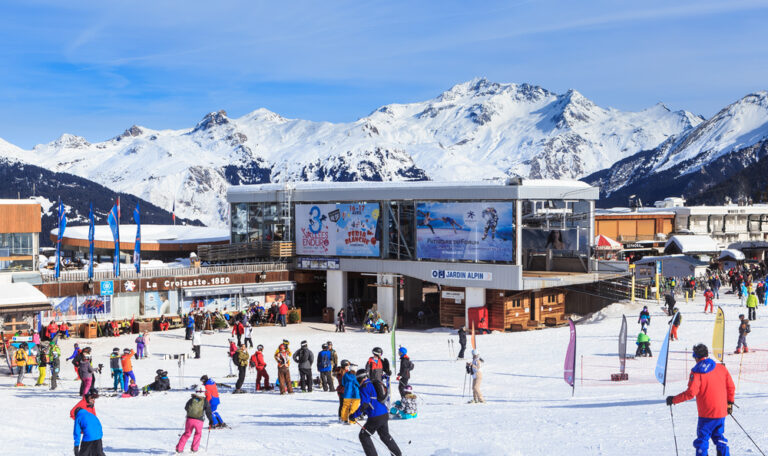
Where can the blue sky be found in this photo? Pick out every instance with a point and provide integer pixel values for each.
(94, 68)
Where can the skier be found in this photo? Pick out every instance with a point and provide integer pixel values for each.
(87, 424)
(85, 371)
(240, 359)
(125, 362)
(283, 358)
(55, 360)
(712, 386)
(334, 356)
(283, 313)
(644, 319)
(197, 407)
(406, 366)
(744, 329)
(669, 300)
(375, 365)
(212, 396)
(161, 383)
(247, 334)
(304, 358)
(258, 362)
(752, 306)
(64, 330)
(405, 408)
(140, 344)
(340, 321)
(708, 297)
(491, 220)
(372, 405)
(83, 403)
(132, 390)
(474, 368)
(238, 330)
(74, 356)
(21, 362)
(462, 341)
(643, 344)
(231, 353)
(716, 284)
(351, 393)
(117, 369)
(675, 323)
(196, 342)
(190, 326)
(42, 362)
(51, 330)
(324, 367)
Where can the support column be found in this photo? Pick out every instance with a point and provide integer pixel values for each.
(336, 290)
(591, 239)
(473, 297)
(519, 232)
(386, 298)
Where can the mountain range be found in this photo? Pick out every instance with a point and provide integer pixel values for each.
(475, 130)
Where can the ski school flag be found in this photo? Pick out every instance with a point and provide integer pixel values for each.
(661, 364)
(114, 225)
(623, 344)
(718, 335)
(91, 230)
(137, 244)
(569, 370)
(59, 236)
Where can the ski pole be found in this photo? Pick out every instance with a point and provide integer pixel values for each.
(674, 434)
(464, 388)
(208, 439)
(747, 434)
(377, 440)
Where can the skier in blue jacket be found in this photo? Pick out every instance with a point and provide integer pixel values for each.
(378, 416)
(87, 424)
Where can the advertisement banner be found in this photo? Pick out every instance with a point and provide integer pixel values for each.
(337, 229)
(156, 304)
(78, 308)
(222, 303)
(480, 231)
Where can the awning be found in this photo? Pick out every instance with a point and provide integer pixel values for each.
(691, 244)
(18, 297)
(731, 254)
(268, 287)
(603, 242)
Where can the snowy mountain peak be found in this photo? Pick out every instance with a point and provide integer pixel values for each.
(263, 115)
(68, 141)
(211, 120)
(132, 132)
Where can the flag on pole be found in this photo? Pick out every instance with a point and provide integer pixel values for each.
(137, 243)
(661, 363)
(569, 370)
(474, 342)
(59, 236)
(623, 344)
(173, 211)
(118, 209)
(718, 335)
(91, 230)
(114, 225)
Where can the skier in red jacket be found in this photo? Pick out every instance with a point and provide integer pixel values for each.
(712, 386)
(257, 362)
(237, 330)
(708, 297)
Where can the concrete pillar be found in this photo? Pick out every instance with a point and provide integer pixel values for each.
(336, 290)
(473, 297)
(386, 298)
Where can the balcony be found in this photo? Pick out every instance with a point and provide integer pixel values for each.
(228, 253)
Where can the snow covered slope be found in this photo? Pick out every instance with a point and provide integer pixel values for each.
(691, 163)
(475, 130)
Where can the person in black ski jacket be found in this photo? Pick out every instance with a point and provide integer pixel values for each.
(669, 300)
(462, 341)
(161, 383)
(304, 358)
(404, 376)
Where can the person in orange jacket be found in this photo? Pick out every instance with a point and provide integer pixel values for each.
(708, 303)
(125, 361)
(51, 330)
(712, 386)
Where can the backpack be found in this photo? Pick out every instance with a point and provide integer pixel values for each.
(20, 355)
(196, 408)
(381, 390)
(325, 360)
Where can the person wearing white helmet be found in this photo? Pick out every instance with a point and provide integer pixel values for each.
(197, 408)
(474, 368)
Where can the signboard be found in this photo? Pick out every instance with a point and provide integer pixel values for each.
(461, 275)
(457, 296)
(479, 231)
(107, 288)
(337, 229)
(78, 308)
(319, 263)
(658, 267)
(176, 283)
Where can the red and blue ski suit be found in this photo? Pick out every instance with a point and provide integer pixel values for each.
(212, 396)
(712, 386)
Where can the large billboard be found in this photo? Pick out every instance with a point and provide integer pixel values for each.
(78, 308)
(478, 231)
(337, 229)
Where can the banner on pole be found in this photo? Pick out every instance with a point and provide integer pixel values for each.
(718, 336)
(569, 370)
(623, 344)
(661, 364)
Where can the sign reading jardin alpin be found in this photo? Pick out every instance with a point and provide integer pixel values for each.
(461, 275)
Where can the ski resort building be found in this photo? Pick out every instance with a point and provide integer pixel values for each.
(499, 253)
(19, 235)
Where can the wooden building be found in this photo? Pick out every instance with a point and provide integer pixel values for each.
(19, 235)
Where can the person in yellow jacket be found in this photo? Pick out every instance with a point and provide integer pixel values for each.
(42, 363)
(283, 358)
(21, 362)
(752, 306)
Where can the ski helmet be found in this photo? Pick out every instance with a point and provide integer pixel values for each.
(204, 379)
(303, 343)
(159, 372)
(259, 347)
(344, 363)
(329, 343)
(125, 350)
(325, 346)
(361, 374)
(700, 351)
(93, 392)
(200, 390)
(403, 351)
(378, 351)
(285, 341)
(115, 350)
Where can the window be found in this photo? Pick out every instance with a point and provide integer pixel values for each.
(516, 303)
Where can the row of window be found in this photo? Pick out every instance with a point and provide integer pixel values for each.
(12, 244)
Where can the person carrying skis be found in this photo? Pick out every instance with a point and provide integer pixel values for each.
(125, 362)
(21, 359)
(240, 359)
(340, 321)
(744, 329)
(196, 342)
(88, 426)
(474, 368)
(258, 362)
(117, 370)
(197, 407)
(42, 362)
(712, 386)
(708, 300)
(406, 366)
(372, 405)
(643, 344)
(212, 396)
(283, 358)
(675, 323)
(462, 341)
(54, 355)
(238, 330)
(324, 367)
(752, 306)
(140, 345)
(305, 358)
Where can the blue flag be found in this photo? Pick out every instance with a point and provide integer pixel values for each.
(661, 363)
(91, 229)
(60, 235)
(112, 219)
(137, 244)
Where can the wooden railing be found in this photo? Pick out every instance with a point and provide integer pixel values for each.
(240, 252)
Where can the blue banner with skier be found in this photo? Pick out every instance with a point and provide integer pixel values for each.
(478, 231)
